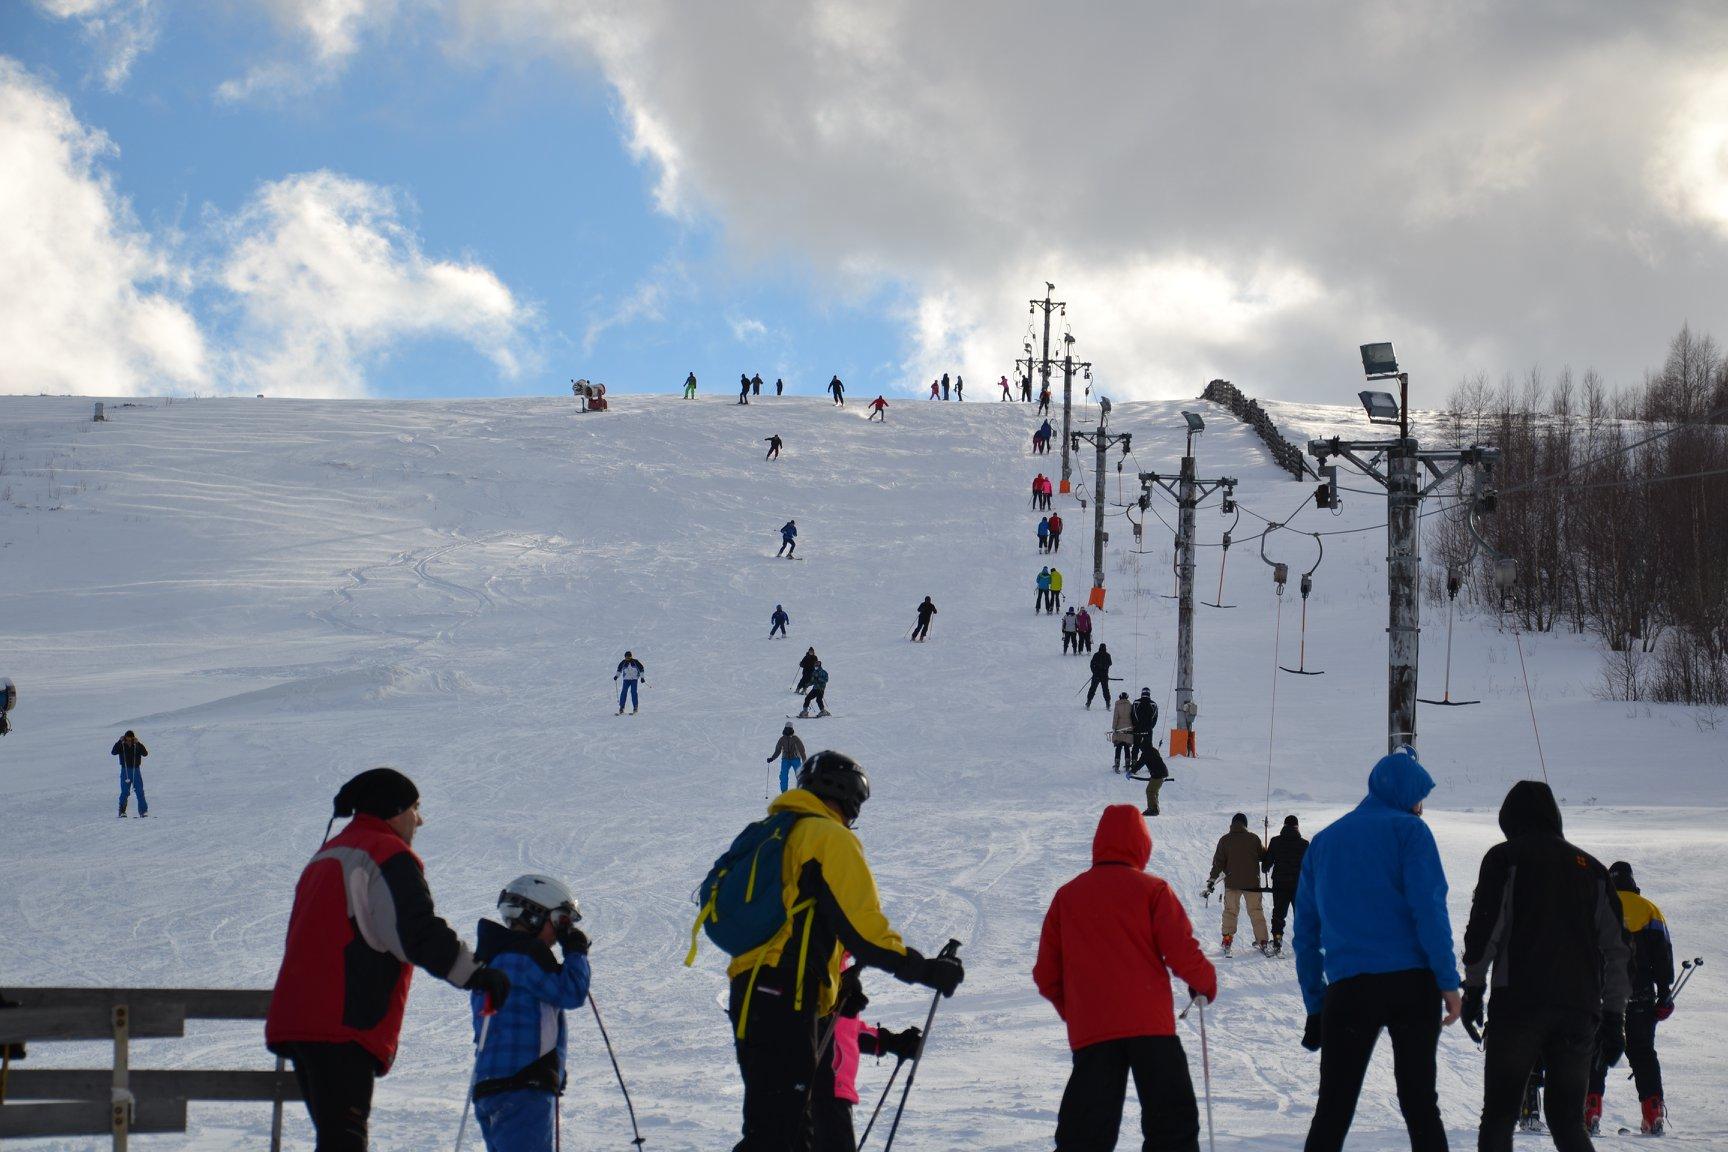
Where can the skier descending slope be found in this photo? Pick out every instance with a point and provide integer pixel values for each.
(921, 630)
(790, 750)
(1111, 938)
(777, 622)
(837, 1076)
(1237, 860)
(690, 386)
(878, 409)
(1652, 976)
(1374, 950)
(519, 1071)
(774, 445)
(806, 669)
(1283, 859)
(1545, 918)
(788, 539)
(818, 693)
(131, 752)
(364, 885)
(743, 388)
(838, 391)
(630, 671)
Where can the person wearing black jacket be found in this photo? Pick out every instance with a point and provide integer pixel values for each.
(131, 751)
(774, 444)
(1101, 661)
(921, 630)
(806, 669)
(1545, 919)
(1651, 971)
(1143, 715)
(1283, 859)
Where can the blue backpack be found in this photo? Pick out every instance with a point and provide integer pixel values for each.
(740, 896)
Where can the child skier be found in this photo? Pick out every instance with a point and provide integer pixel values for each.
(131, 752)
(630, 671)
(778, 621)
(1003, 384)
(921, 630)
(790, 749)
(836, 1090)
(818, 693)
(788, 539)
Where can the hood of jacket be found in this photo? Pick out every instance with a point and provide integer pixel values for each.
(1529, 807)
(804, 803)
(492, 939)
(1122, 837)
(1399, 781)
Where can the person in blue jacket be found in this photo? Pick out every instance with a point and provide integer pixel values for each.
(631, 672)
(520, 1061)
(1043, 583)
(1374, 951)
(1044, 534)
(788, 538)
(779, 621)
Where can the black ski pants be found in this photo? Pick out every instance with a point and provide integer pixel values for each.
(777, 1058)
(1405, 1004)
(1043, 596)
(817, 694)
(1091, 1114)
(833, 1120)
(1640, 1053)
(922, 628)
(336, 1082)
(1519, 1039)
(1282, 898)
(1098, 685)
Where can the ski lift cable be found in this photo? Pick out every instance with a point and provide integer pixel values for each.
(1708, 420)
(1272, 712)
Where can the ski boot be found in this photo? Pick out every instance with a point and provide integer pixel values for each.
(1264, 948)
(1277, 946)
(122, 811)
(1655, 1116)
(1593, 1114)
(1530, 1114)
(823, 713)
(1149, 812)
(1227, 940)
(804, 715)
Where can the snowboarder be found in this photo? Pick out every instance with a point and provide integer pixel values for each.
(1044, 406)
(790, 750)
(1651, 969)
(1043, 533)
(1111, 939)
(778, 621)
(806, 669)
(818, 693)
(1055, 588)
(838, 391)
(1100, 665)
(1055, 531)
(1121, 732)
(756, 384)
(1007, 396)
(959, 389)
(836, 1089)
(131, 752)
(780, 990)
(630, 671)
(1283, 860)
(1237, 860)
(1083, 624)
(690, 386)
(361, 906)
(1374, 951)
(788, 539)
(743, 388)
(921, 630)
(878, 409)
(944, 385)
(1546, 919)
(519, 1070)
(1042, 583)
(779, 386)
(774, 444)
(1070, 634)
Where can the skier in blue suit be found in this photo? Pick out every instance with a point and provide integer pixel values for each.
(788, 538)
(779, 621)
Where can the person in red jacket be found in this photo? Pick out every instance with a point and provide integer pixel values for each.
(1055, 532)
(876, 407)
(362, 919)
(1111, 938)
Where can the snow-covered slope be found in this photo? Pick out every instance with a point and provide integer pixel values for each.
(276, 594)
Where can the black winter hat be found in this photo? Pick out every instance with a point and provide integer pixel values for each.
(1239, 818)
(1290, 821)
(380, 792)
(1620, 873)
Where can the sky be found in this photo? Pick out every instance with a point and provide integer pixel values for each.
(479, 197)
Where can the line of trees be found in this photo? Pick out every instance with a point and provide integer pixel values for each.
(1602, 505)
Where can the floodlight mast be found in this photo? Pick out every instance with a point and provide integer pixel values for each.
(1102, 441)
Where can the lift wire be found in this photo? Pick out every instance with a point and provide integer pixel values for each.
(1708, 420)
(1272, 712)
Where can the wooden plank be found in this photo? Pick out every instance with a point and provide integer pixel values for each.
(91, 1022)
(88, 1118)
(150, 1084)
(198, 1003)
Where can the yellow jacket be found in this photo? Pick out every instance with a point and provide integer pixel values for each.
(1055, 580)
(831, 904)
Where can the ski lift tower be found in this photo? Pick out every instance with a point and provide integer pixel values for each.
(1103, 441)
(1397, 465)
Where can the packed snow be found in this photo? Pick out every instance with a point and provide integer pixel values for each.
(277, 594)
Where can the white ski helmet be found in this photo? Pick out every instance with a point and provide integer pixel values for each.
(530, 900)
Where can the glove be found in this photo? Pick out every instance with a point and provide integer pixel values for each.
(943, 973)
(573, 940)
(901, 1045)
(1311, 1032)
(1664, 1003)
(1472, 1015)
(492, 983)
(1611, 1038)
(1195, 993)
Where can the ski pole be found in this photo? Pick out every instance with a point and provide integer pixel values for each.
(1205, 1066)
(883, 1099)
(487, 1011)
(631, 1108)
(950, 949)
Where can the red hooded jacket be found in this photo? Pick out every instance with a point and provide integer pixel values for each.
(1111, 938)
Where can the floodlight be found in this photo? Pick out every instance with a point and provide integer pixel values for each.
(1378, 361)
(1382, 408)
(1195, 424)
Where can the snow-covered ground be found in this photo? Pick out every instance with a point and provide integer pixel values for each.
(276, 594)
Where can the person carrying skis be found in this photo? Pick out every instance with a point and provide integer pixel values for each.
(1121, 732)
(818, 693)
(1043, 533)
(1055, 588)
(1283, 860)
(780, 990)
(1651, 972)
(836, 1090)
(690, 386)
(921, 630)
(1374, 951)
(779, 386)
(878, 409)
(1545, 918)
(1237, 860)
(778, 621)
(131, 752)
(774, 444)
(788, 539)
(1070, 637)
(361, 908)
(838, 391)
(1044, 406)
(1006, 394)
(790, 749)
(1083, 634)
(756, 384)
(1042, 583)
(1111, 939)
(519, 1071)
(743, 388)
(1100, 665)
(806, 669)
(630, 671)
(1055, 531)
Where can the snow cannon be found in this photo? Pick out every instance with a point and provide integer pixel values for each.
(592, 397)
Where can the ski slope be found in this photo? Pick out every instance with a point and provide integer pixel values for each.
(277, 594)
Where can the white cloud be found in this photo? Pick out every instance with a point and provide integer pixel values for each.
(747, 330)
(121, 30)
(328, 278)
(88, 303)
(325, 36)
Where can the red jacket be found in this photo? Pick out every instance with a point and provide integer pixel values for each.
(362, 919)
(1055, 523)
(1111, 938)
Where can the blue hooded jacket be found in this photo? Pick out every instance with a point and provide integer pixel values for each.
(1372, 893)
(525, 1044)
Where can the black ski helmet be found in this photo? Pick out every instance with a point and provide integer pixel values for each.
(786, 731)
(837, 778)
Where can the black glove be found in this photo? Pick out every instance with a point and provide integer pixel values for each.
(1311, 1032)
(573, 940)
(943, 973)
(902, 1045)
(1611, 1038)
(1472, 1014)
(493, 983)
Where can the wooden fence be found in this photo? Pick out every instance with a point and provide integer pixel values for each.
(1287, 455)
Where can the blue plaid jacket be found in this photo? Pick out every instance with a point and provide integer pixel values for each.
(525, 1043)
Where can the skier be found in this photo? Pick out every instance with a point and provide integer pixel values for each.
(779, 386)
(1039, 442)
(836, 1090)
(1038, 491)
(1055, 531)
(1006, 394)
(944, 385)
(877, 408)
(818, 693)
(921, 630)
(778, 621)
(1070, 635)
(1374, 950)
(1043, 533)
(1044, 429)
(361, 907)
(1651, 969)
(1110, 940)
(519, 1071)
(1044, 407)
(743, 388)
(959, 389)
(756, 384)
(1026, 388)
(1100, 665)
(838, 391)
(774, 445)
(131, 752)
(1083, 624)
(1283, 860)
(790, 749)
(936, 389)
(690, 386)
(1055, 588)
(1237, 860)
(1546, 919)
(788, 539)
(630, 671)
(806, 669)
(1049, 491)
(780, 990)
(1042, 583)
(1121, 732)
(1149, 758)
